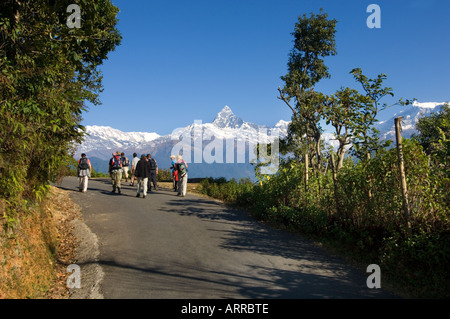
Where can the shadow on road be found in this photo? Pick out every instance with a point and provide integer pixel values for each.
(209, 283)
(285, 264)
(250, 236)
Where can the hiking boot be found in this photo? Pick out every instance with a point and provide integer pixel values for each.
(118, 190)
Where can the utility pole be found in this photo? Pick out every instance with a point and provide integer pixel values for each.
(398, 128)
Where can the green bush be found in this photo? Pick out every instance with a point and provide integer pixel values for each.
(365, 215)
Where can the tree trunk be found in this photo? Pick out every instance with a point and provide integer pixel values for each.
(341, 155)
(306, 170)
(402, 173)
(336, 196)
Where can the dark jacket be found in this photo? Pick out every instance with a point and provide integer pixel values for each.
(152, 163)
(142, 168)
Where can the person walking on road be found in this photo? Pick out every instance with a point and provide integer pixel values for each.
(182, 176)
(115, 171)
(125, 164)
(84, 172)
(174, 172)
(142, 172)
(134, 162)
(153, 172)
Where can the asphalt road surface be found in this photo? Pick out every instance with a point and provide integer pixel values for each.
(171, 247)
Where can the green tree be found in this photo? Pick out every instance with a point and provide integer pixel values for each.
(313, 41)
(341, 112)
(434, 136)
(366, 139)
(48, 73)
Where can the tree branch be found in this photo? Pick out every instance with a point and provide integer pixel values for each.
(283, 98)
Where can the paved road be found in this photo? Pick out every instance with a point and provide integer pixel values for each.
(166, 246)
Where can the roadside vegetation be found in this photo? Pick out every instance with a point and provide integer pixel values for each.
(352, 197)
(49, 70)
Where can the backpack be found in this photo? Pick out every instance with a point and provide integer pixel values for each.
(125, 161)
(115, 162)
(182, 168)
(152, 163)
(83, 164)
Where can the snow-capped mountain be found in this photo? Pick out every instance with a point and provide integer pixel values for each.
(213, 140)
(210, 140)
(227, 119)
(411, 115)
(106, 137)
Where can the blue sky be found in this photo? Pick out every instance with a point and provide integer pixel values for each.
(181, 61)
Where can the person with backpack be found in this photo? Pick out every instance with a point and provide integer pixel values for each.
(83, 172)
(134, 162)
(142, 172)
(125, 164)
(153, 172)
(115, 171)
(182, 176)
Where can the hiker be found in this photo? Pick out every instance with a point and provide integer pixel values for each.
(125, 164)
(134, 162)
(84, 172)
(142, 172)
(115, 171)
(153, 172)
(174, 174)
(182, 176)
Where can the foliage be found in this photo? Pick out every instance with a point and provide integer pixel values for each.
(434, 136)
(313, 41)
(49, 71)
(48, 74)
(164, 175)
(371, 227)
(357, 202)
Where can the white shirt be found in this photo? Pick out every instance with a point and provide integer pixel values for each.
(134, 162)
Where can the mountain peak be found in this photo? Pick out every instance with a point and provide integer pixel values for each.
(226, 109)
(226, 118)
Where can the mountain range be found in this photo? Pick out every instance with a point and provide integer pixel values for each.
(221, 148)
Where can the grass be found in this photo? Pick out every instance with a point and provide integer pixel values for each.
(34, 253)
(193, 188)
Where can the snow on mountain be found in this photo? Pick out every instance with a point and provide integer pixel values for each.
(215, 138)
(427, 105)
(226, 126)
(227, 119)
(105, 137)
(101, 141)
(411, 115)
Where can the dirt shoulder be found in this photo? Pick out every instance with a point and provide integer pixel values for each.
(77, 245)
(65, 212)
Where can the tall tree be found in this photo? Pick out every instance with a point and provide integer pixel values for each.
(49, 71)
(313, 41)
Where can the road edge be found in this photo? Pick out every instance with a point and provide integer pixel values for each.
(91, 273)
